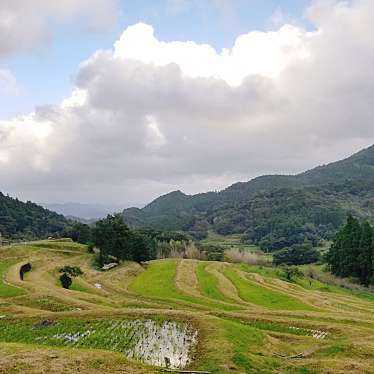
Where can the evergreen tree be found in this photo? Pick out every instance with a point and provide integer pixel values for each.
(349, 250)
(364, 259)
(335, 254)
(143, 247)
(112, 236)
(78, 232)
(352, 252)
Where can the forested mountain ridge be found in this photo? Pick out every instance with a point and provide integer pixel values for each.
(272, 209)
(27, 220)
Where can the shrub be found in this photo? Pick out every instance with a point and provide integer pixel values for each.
(212, 252)
(69, 272)
(73, 271)
(214, 256)
(24, 269)
(292, 272)
(66, 281)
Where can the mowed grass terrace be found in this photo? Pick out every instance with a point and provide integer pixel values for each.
(249, 318)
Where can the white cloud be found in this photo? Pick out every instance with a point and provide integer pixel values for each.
(24, 24)
(262, 53)
(150, 116)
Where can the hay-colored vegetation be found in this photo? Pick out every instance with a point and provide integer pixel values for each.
(249, 318)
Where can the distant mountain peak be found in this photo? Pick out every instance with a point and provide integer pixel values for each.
(176, 209)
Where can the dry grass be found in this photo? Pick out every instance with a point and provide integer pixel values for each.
(238, 256)
(247, 339)
(17, 358)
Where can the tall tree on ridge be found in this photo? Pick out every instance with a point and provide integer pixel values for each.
(364, 259)
(351, 236)
(111, 235)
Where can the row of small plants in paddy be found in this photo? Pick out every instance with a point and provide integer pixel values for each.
(283, 328)
(154, 342)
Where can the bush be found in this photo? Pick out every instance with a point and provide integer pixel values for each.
(73, 271)
(214, 256)
(66, 281)
(212, 252)
(292, 272)
(24, 269)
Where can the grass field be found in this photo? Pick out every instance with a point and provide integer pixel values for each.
(208, 284)
(253, 293)
(218, 317)
(158, 281)
(7, 290)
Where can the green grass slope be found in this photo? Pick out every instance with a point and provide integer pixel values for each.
(248, 319)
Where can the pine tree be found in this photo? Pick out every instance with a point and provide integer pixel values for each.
(352, 252)
(334, 256)
(364, 259)
(351, 236)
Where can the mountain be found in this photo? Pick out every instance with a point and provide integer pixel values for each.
(83, 211)
(27, 220)
(272, 210)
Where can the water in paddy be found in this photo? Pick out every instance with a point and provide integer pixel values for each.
(168, 344)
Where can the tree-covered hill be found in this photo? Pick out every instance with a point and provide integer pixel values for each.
(27, 220)
(272, 210)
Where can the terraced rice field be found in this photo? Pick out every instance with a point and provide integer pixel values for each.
(207, 316)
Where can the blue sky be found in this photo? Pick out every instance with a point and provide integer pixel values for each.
(45, 75)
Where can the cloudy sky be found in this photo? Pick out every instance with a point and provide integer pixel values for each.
(117, 102)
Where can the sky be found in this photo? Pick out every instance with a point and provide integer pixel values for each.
(117, 102)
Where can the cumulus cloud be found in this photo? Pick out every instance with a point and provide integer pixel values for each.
(265, 54)
(24, 23)
(149, 116)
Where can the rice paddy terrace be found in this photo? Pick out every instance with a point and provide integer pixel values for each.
(176, 314)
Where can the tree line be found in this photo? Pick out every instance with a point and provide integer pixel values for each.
(352, 252)
(115, 241)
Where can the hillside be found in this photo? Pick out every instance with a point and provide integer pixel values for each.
(27, 220)
(309, 205)
(208, 316)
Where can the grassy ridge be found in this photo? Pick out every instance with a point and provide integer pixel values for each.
(5, 289)
(253, 293)
(158, 281)
(208, 283)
